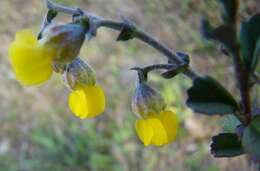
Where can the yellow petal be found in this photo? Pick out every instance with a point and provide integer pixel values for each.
(159, 134)
(87, 102)
(144, 131)
(95, 100)
(29, 61)
(78, 103)
(170, 123)
(25, 36)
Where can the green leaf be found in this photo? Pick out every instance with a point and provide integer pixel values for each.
(249, 40)
(226, 145)
(251, 139)
(206, 28)
(229, 123)
(246, 42)
(208, 96)
(224, 34)
(229, 11)
(256, 55)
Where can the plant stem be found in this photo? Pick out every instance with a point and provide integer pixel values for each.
(159, 67)
(155, 67)
(242, 77)
(117, 25)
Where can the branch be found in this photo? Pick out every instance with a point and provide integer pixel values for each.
(150, 68)
(171, 70)
(97, 22)
(154, 67)
(242, 77)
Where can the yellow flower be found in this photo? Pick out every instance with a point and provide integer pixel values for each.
(87, 101)
(30, 62)
(157, 125)
(157, 129)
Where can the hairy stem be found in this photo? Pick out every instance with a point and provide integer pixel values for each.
(117, 25)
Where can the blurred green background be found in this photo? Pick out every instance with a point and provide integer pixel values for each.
(39, 133)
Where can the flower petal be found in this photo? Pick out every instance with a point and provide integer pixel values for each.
(87, 101)
(78, 103)
(95, 100)
(151, 131)
(29, 61)
(170, 123)
(144, 131)
(25, 36)
(159, 134)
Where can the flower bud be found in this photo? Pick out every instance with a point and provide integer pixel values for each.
(147, 101)
(63, 41)
(79, 73)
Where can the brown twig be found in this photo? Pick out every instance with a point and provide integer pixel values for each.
(97, 22)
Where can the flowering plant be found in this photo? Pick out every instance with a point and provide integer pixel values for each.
(56, 48)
